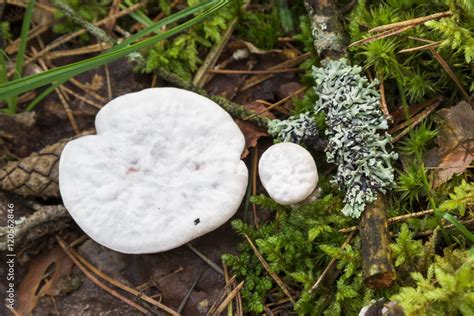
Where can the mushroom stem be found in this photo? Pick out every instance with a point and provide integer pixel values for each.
(377, 268)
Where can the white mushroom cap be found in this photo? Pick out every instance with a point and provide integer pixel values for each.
(163, 169)
(288, 173)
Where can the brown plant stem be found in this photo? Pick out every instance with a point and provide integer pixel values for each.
(377, 268)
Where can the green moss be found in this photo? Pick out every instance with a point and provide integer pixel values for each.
(447, 288)
(183, 54)
(417, 74)
(260, 28)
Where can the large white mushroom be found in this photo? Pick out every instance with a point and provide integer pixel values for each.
(288, 173)
(163, 169)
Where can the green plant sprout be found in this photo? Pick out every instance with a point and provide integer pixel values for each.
(20, 57)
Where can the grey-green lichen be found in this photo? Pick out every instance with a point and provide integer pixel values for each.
(355, 125)
(295, 129)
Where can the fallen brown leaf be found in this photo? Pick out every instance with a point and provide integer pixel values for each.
(455, 141)
(43, 277)
(251, 133)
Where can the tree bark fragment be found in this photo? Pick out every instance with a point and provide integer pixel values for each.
(328, 33)
(45, 220)
(377, 268)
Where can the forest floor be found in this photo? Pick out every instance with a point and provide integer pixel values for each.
(271, 82)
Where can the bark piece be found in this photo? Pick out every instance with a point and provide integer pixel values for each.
(328, 33)
(45, 220)
(377, 268)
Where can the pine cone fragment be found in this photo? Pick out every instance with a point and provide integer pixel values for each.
(35, 175)
(38, 174)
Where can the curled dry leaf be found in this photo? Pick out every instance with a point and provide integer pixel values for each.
(44, 277)
(455, 150)
(252, 132)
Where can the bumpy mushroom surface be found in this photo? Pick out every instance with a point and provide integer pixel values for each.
(163, 169)
(288, 173)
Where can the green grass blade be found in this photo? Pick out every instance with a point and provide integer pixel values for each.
(137, 15)
(460, 227)
(20, 56)
(22, 85)
(25, 28)
(4, 79)
(3, 67)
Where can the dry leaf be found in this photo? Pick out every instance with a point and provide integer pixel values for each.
(251, 133)
(43, 276)
(455, 141)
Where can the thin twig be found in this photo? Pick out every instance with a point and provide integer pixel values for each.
(87, 89)
(228, 299)
(40, 5)
(189, 291)
(238, 298)
(383, 101)
(416, 117)
(288, 63)
(330, 265)
(220, 297)
(414, 122)
(253, 72)
(34, 32)
(450, 73)
(80, 97)
(94, 48)
(277, 108)
(227, 283)
(114, 8)
(418, 48)
(265, 265)
(86, 264)
(96, 281)
(382, 35)
(211, 263)
(202, 75)
(412, 22)
(254, 182)
(107, 76)
(63, 101)
(392, 220)
(280, 102)
(450, 226)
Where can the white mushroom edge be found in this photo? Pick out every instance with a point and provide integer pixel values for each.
(163, 169)
(288, 173)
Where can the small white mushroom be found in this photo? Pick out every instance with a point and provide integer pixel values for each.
(288, 173)
(163, 169)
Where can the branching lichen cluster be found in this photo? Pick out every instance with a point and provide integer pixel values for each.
(354, 122)
(295, 129)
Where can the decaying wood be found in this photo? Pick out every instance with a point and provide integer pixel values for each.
(328, 33)
(37, 174)
(45, 220)
(377, 268)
